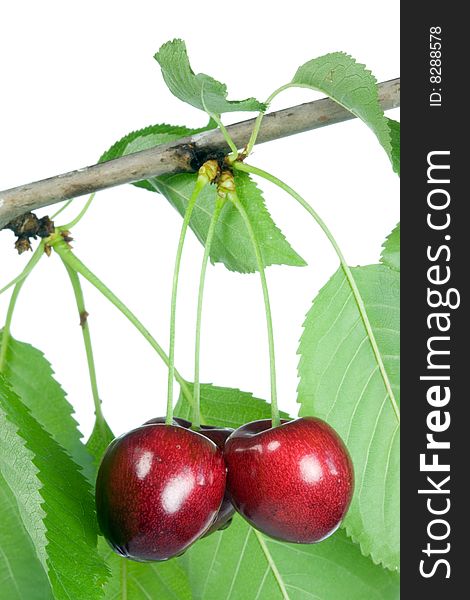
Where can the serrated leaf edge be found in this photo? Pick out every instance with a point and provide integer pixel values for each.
(388, 149)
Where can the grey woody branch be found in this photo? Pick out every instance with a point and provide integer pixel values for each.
(184, 155)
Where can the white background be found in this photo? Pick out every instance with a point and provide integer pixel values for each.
(75, 77)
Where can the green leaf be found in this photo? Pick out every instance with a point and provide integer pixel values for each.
(240, 563)
(391, 250)
(231, 244)
(144, 581)
(31, 377)
(54, 501)
(394, 127)
(21, 574)
(200, 90)
(99, 440)
(149, 137)
(341, 383)
(225, 407)
(350, 84)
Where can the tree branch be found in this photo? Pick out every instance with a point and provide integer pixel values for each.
(185, 155)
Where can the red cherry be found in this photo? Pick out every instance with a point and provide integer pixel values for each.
(293, 482)
(218, 435)
(159, 488)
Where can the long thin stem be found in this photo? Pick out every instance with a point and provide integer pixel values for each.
(200, 183)
(259, 259)
(18, 282)
(33, 261)
(76, 264)
(259, 119)
(81, 214)
(7, 327)
(62, 208)
(226, 134)
(78, 292)
(347, 271)
(216, 118)
(202, 278)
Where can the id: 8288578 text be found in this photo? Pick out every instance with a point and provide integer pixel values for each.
(435, 65)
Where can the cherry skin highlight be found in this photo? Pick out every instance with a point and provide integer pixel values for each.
(218, 435)
(293, 482)
(159, 488)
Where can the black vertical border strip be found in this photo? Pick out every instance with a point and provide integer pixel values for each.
(426, 129)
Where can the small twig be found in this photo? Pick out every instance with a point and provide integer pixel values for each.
(185, 155)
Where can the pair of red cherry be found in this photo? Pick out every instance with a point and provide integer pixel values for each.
(161, 487)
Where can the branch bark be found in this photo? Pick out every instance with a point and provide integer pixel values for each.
(185, 155)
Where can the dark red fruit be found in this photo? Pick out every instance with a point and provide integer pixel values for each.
(218, 435)
(159, 488)
(293, 482)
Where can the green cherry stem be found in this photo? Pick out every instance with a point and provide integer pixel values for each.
(216, 118)
(233, 197)
(226, 135)
(76, 265)
(201, 182)
(80, 215)
(62, 208)
(259, 118)
(78, 292)
(18, 282)
(269, 323)
(219, 203)
(7, 327)
(33, 261)
(347, 271)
